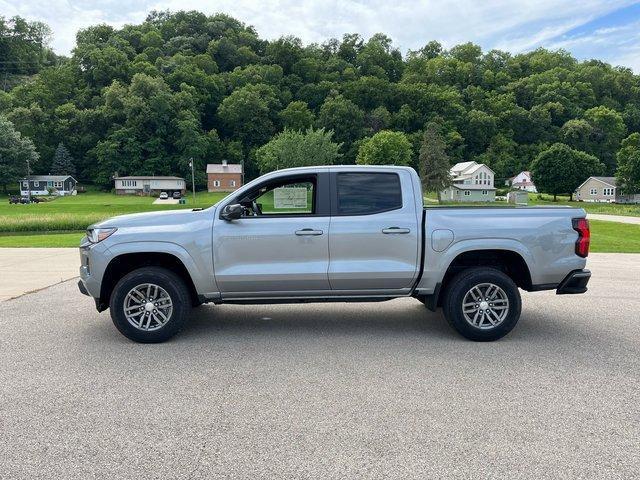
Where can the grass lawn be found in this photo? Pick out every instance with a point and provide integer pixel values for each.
(79, 211)
(613, 237)
(41, 239)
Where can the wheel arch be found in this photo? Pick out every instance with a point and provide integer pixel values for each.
(508, 261)
(122, 264)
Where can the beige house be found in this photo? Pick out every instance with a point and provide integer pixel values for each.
(603, 189)
(470, 182)
(149, 185)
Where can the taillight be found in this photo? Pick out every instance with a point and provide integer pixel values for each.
(581, 225)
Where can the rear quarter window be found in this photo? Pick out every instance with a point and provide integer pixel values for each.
(368, 193)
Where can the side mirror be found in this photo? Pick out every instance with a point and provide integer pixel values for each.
(232, 212)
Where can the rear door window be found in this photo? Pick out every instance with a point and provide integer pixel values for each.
(368, 193)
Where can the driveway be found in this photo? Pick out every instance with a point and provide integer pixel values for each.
(166, 201)
(382, 390)
(28, 269)
(614, 218)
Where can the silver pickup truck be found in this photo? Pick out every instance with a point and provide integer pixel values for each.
(337, 233)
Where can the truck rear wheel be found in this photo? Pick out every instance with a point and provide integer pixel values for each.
(482, 304)
(150, 305)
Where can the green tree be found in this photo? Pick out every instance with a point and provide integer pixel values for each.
(609, 129)
(63, 163)
(561, 169)
(15, 152)
(343, 117)
(628, 171)
(385, 148)
(292, 148)
(248, 114)
(434, 161)
(297, 116)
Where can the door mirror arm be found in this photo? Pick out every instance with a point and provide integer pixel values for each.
(231, 212)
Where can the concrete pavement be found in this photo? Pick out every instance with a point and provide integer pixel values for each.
(383, 390)
(24, 270)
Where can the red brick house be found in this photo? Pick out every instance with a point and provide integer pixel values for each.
(224, 177)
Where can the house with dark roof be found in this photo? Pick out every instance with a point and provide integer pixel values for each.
(149, 185)
(224, 177)
(48, 184)
(603, 189)
(470, 182)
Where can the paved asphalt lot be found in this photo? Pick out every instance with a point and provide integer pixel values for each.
(381, 390)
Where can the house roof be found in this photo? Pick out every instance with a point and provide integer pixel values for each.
(611, 181)
(526, 172)
(148, 177)
(466, 169)
(47, 178)
(472, 187)
(462, 166)
(220, 168)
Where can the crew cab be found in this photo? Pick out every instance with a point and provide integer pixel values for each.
(334, 233)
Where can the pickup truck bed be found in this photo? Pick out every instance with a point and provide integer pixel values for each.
(337, 233)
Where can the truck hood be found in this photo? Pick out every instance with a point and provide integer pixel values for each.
(167, 217)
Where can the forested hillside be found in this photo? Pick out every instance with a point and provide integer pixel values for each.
(146, 98)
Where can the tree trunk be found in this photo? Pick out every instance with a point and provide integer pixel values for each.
(554, 197)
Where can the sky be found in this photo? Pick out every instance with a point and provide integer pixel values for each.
(608, 30)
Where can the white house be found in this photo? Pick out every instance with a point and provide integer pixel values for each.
(522, 181)
(147, 185)
(470, 182)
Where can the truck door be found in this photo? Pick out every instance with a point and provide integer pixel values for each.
(374, 232)
(280, 244)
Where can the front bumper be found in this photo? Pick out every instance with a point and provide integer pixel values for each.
(575, 282)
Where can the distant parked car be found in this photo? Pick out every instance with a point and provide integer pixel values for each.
(177, 195)
(164, 196)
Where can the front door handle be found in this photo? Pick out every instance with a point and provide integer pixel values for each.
(396, 230)
(309, 231)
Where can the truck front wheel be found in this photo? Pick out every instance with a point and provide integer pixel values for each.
(150, 305)
(482, 304)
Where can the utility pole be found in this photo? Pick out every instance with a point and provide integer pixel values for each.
(28, 181)
(193, 181)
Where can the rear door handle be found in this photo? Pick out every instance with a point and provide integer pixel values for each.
(309, 231)
(396, 230)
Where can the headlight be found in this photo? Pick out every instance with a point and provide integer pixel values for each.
(95, 235)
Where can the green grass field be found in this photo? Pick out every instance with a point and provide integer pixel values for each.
(61, 222)
(80, 211)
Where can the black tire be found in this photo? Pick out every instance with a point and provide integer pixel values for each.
(173, 285)
(456, 291)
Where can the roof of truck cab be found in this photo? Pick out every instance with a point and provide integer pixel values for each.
(343, 167)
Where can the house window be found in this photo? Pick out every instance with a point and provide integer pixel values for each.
(25, 184)
(467, 193)
(232, 183)
(484, 192)
(593, 191)
(57, 184)
(216, 183)
(607, 192)
(36, 184)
